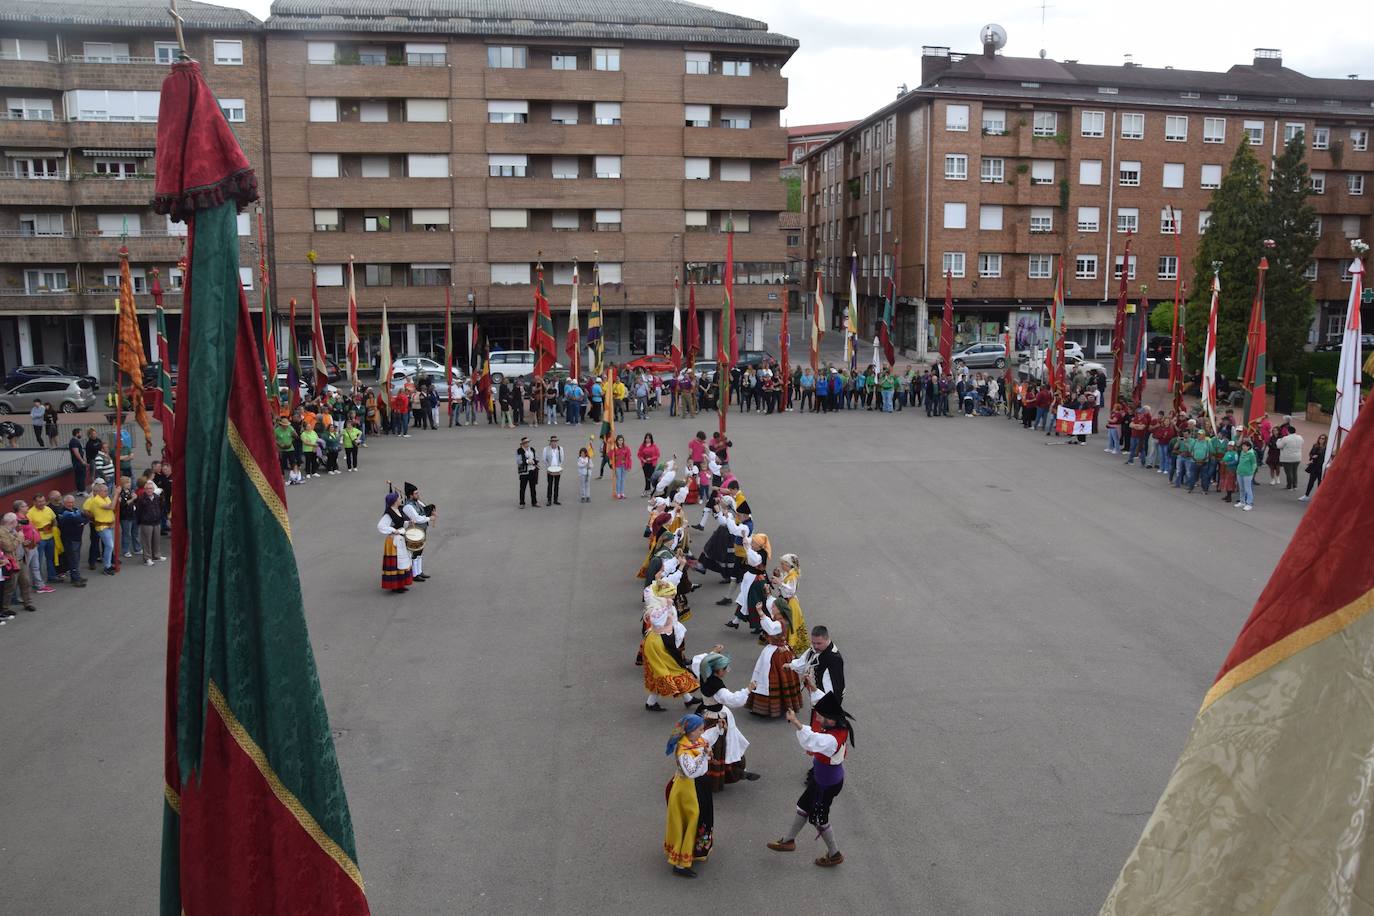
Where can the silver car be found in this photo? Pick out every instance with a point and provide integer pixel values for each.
(68, 394)
(985, 355)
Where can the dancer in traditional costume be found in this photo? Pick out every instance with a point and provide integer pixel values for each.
(396, 574)
(418, 515)
(688, 834)
(727, 750)
(776, 688)
(783, 583)
(821, 668)
(753, 587)
(825, 745)
(666, 671)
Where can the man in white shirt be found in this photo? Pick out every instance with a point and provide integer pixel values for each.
(553, 470)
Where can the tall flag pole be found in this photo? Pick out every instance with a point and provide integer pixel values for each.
(1348, 374)
(269, 333)
(166, 407)
(1119, 328)
(384, 373)
(675, 345)
(889, 308)
(608, 420)
(1055, 357)
(784, 347)
(947, 327)
(1209, 353)
(1175, 368)
(692, 344)
(594, 341)
(851, 315)
(727, 346)
(255, 818)
(543, 326)
(448, 351)
(1266, 810)
(730, 290)
(1252, 371)
(131, 360)
(573, 349)
(1006, 369)
(1141, 366)
(321, 367)
(351, 332)
(293, 362)
(816, 327)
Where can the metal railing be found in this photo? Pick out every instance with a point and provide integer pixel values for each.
(113, 59)
(19, 471)
(10, 55)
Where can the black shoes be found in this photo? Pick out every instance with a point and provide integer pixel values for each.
(726, 602)
(684, 872)
(653, 707)
(751, 776)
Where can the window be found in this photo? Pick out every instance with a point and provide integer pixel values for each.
(891, 129)
(509, 219)
(1345, 272)
(319, 52)
(606, 112)
(244, 224)
(228, 52)
(1129, 174)
(375, 166)
(113, 225)
(431, 274)
(1359, 139)
(376, 275)
(1317, 226)
(609, 167)
(989, 265)
(508, 112)
(1321, 138)
(564, 62)
(429, 110)
(697, 115)
(1317, 182)
(956, 215)
(1093, 124)
(868, 184)
(324, 165)
(1350, 226)
(793, 240)
(104, 51)
(956, 167)
(1254, 131)
(1310, 271)
(1173, 175)
(373, 112)
(1213, 130)
(324, 110)
(952, 263)
(1089, 219)
(1039, 266)
(506, 58)
(42, 224)
(989, 217)
(1292, 129)
(694, 220)
(699, 62)
(420, 54)
(605, 58)
(326, 220)
(165, 52)
(609, 221)
(1044, 124)
(887, 219)
(1170, 221)
(110, 168)
(426, 165)
(736, 68)
(1354, 184)
(329, 274)
(112, 105)
(565, 167)
(735, 118)
(1130, 273)
(233, 110)
(24, 49)
(48, 280)
(1041, 220)
(1084, 266)
(1168, 267)
(992, 170)
(889, 175)
(696, 168)
(1090, 172)
(994, 122)
(1211, 176)
(1176, 128)
(1128, 219)
(1042, 171)
(510, 274)
(563, 112)
(566, 220)
(504, 165)
(30, 109)
(1204, 219)
(246, 278)
(1132, 127)
(956, 117)
(741, 222)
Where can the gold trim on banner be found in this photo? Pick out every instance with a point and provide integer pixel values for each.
(173, 799)
(1289, 646)
(259, 479)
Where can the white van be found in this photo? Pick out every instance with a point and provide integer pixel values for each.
(514, 363)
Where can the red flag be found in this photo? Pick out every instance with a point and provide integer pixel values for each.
(1253, 371)
(675, 344)
(573, 348)
(317, 335)
(1006, 370)
(783, 346)
(543, 329)
(1176, 352)
(947, 327)
(692, 346)
(889, 309)
(1141, 372)
(1119, 328)
(352, 331)
(730, 293)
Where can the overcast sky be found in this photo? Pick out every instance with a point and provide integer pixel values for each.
(855, 54)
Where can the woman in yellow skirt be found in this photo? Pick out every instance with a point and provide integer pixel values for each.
(784, 582)
(688, 833)
(667, 673)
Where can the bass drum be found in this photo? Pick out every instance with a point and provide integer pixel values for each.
(415, 538)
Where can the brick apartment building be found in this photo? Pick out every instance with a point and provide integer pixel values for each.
(457, 152)
(996, 167)
(803, 138)
(81, 81)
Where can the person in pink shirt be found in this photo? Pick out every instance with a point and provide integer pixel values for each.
(620, 463)
(648, 460)
(696, 449)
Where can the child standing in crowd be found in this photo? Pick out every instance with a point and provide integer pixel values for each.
(331, 449)
(1229, 460)
(310, 441)
(351, 437)
(584, 474)
(1245, 475)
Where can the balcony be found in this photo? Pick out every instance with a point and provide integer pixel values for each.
(749, 246)
(113, 134)
(383, 247)
(1336, 247)
(18, 302)
(513, 245)
(381, 192)
(30, 74)
(1037, 195)
(764, 89)
(1024, 241)
(122, 73)
(44, 192)
(710, 194)
(731, 143)
(354, 81)
(582, 193)
(555, 85)
(556, 139)
(147, 246)
(353, 137)
(37, 249)
(27, 132)
(93, 190)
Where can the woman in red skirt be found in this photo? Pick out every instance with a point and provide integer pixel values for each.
(776, 688)
(396, 573)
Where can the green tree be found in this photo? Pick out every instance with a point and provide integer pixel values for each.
(1288, 302)
(794, 194)
(1238, 227)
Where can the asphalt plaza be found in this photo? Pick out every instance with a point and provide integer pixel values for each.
(1028, 631)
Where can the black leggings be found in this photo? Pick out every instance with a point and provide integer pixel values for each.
(351, 456)
(648, 473)
(1313, 479)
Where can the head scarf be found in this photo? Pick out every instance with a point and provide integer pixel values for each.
(391, 498)
(688, 723)
(760, 540)
(713, 662)
(662, 588)
(791, 560)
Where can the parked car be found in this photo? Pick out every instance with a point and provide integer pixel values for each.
(1159, 347)
(514, 364)
(401, 377)
(331, 368)
(654, 362)
(21, 374)
(1072, 364)
(1072, 348)
(983, 355)
(423, 365)
(150, 371)
(68, 394)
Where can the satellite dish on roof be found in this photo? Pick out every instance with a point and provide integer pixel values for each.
(994, 35)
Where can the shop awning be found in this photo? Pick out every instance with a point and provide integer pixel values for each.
(120, 153)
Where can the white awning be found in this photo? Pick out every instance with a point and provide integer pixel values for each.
(120, 153)
(35, 153)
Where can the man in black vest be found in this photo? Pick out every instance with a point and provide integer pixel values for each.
(821, 668)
